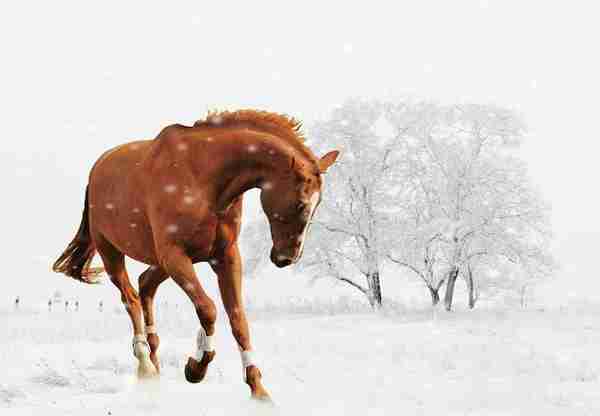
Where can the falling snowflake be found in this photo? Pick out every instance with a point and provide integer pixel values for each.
(267, 186)
(214, 262)
(252, 148)
(109, 206)
(133, 225)
(135, 210)
(182, 146)
(188, 199)
(172, 228)
(134, 146)
(271, 152)
(170, 188)
(209, 139)
(344, 122)
(216, 119)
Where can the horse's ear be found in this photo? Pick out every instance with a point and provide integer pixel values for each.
(326, 161)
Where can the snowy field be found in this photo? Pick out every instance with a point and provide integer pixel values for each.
(402, 361)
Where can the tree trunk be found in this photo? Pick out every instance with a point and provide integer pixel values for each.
(374, 289)
(523, 291)
(452, 275)
(435, 295)
(471, 288)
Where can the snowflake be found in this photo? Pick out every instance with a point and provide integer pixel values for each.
(216, 120)
(182, 146)
(170, 188)
(214, 262)
(134, 146)
(252, 148)
(135, 210)
(109, 206)
(271, 152)
(189, 200)
(209, 139)
(172, 228)
(133, 225)
(267, 186)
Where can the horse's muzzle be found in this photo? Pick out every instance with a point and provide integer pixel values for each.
(280, 260)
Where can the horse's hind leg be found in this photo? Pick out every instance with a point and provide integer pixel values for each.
(148, 283)
(114, 263)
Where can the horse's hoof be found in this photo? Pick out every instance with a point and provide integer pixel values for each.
(263, 398)
(253, 379)
(156, 362)
(146, 370)
(195, 371)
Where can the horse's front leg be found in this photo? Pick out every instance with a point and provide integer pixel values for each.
(179, 266)
(229, 271)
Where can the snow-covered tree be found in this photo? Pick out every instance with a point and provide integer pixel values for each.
(436, 189)
(346, 239)
(469, 195)
(255, 245)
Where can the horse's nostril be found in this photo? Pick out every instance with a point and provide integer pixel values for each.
(283, 261)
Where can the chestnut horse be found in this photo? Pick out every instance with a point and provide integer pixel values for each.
(177, 200)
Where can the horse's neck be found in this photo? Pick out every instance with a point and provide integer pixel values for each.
(248, 164)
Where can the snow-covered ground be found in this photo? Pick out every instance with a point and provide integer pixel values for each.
(402, 361)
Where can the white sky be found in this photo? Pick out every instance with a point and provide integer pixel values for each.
(78, 78)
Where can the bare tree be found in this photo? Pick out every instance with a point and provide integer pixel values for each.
(435, 189)
(346, 242)
(466, 182)
(255, 245)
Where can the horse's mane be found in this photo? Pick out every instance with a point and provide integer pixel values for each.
(288, 126)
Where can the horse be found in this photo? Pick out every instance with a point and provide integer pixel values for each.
(175, 201)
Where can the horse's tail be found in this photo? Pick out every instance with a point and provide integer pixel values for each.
(76, 259)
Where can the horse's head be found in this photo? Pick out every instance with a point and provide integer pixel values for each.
(290, 203)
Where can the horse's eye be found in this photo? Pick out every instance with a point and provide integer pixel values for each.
(301, 206)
